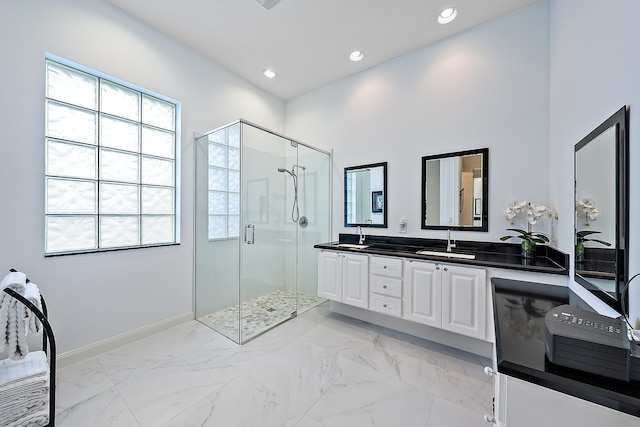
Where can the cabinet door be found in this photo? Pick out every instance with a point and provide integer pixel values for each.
(355, 280)
(422, 293)
(464, 301)
(330, 275)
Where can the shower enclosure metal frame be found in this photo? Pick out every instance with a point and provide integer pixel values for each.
(246, 230)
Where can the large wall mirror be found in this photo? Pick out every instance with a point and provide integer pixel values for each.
(365, 195)
(602, 209)
(455, 190)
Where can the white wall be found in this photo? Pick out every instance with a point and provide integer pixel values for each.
(595, 70)
(487, 87)
(93, 297)
(512, 85)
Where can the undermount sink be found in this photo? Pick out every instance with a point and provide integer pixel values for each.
(352, 246)
(447, 254)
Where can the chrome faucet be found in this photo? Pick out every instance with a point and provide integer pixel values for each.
(362, 236)
(449, 244)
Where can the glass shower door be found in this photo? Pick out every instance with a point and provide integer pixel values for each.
(268, 244)
(314, 196)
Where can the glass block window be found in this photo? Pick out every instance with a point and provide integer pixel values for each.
(224, 183)
(110, 170)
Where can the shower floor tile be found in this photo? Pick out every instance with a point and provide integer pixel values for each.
(260, 314)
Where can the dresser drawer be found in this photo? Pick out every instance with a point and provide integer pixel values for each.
(391, 267)
(387, 305)
(386, 286)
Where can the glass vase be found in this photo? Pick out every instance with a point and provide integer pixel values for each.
(580, 252)
(527, 249)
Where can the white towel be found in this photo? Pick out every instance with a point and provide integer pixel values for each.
(33, 386)
(33, 366)
(32, 294)
(15, 318)
(24, 409)
(40, 418)
(5, 305)
(15, 280)
(24, 389)
(20, 400)
(16, 336)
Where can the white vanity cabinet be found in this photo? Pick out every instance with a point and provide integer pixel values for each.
(451, 299)
(385, 285)
(446, 296)
(344, 277)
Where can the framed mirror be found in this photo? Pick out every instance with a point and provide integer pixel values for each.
(601, 170)
(455, 191)
(365, 195)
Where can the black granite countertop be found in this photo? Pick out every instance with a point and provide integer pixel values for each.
(519, 310)
(487, 254)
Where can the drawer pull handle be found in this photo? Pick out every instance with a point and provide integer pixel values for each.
(384, 305)
(384, 287)
(384, 267)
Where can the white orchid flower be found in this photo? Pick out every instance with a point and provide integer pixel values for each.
(535, 212)
(514, 209)
(532, 211)
(588, 207)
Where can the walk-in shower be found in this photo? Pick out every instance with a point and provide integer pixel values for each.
(256, 224)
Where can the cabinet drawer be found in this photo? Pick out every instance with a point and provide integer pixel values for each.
(386, 305)
(391, 267)
(386, 286)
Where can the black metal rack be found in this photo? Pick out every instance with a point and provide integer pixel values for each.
(47, 337)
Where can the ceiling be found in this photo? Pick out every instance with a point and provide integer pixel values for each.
(307, 42)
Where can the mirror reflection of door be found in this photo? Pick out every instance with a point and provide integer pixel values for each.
(361, 184)
(365, 195)
(454, 190)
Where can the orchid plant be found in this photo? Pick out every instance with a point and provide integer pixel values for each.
(533, 213)
(590, 211)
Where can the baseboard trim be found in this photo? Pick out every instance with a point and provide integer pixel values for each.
(91, 350)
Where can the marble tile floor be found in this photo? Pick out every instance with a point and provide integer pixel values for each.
(318, 369)
(260, 314)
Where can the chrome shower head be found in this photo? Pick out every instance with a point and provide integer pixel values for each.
(286, 170)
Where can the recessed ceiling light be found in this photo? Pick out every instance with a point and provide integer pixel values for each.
(269, 73)
(356, 55)
(447, 15)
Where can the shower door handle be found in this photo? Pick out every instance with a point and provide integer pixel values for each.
(250, 234)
